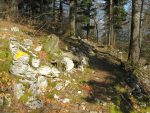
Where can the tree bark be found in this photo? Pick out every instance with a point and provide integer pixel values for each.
(141, 23)
(54, 5)
(110, 22)
(87, 31)
(41, 6)
(134, 47)
(72, 17)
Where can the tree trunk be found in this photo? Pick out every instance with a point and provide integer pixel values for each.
(60, 9)
(110, 22)
(141, 23)
(87, 31)
(72, 17)
(134, 47)
(41, 6)
(54, 5)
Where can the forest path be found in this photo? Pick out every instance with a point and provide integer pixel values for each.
(106, 87)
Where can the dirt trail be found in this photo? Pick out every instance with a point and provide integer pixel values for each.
(105, 86)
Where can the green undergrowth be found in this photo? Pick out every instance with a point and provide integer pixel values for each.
(114, 109)
(5, 56)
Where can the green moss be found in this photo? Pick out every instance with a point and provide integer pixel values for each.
(145, 110)
(51, 84)
(51, 94)
(120, 89)
(34, 111)
(114, 109)
(24, 98)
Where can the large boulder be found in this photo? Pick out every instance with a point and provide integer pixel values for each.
(52, 44)
(20, 63)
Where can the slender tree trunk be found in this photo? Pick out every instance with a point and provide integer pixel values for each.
(96, 28)
(41, 6)
(54, 5)
(141, 23)
(110, 22)
(60, 9)
(134, 47)
(72, 17)
(87, 31)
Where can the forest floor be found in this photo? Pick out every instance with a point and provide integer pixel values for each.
(100, 88)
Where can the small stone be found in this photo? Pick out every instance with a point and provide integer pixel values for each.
(8, 100)
(59, 86)
(33, 103)
(66, 100)
(15, 29)
(79, 92)
(83, 107)
(42, 84)
(38, 48)
(36, 62)
(104, 104)
(67, 82)
(69, 65)
(56, 97)
(13, 45)
(28, 43)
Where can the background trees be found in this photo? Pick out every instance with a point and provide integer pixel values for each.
(107, 21)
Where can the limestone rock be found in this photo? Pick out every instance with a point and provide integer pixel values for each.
(27, 43)
(33, 103)
(18, 69)
(36, 62)
(18, 90)
(42, 84)
(49, 72)
(44, 70)
(68, 63)
(21, 57)
(38, 48)
(20, 63)
(8, 100)
(34, 88)
(54, 72)
(59, 86)
(30, 73)
(13, 45)
(65, 100)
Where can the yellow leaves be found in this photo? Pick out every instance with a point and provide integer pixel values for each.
(20, 54)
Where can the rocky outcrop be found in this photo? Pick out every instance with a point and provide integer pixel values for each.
(27, 65)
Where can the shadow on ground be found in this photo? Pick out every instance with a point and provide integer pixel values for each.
(114, 88)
